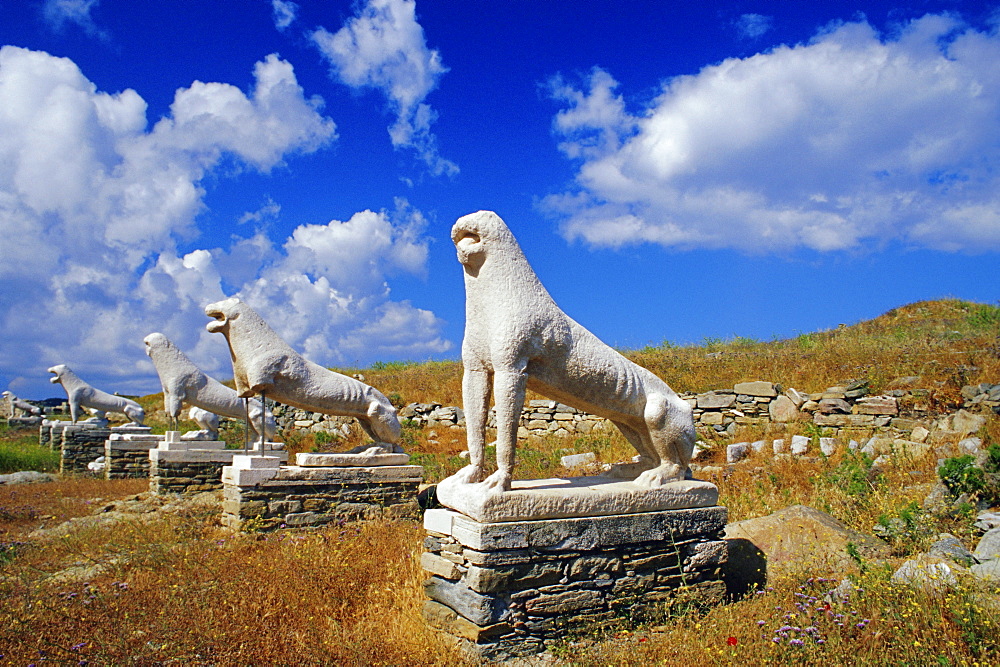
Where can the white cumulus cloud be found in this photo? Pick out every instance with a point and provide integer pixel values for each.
(852, 139)
(94, 203)
(383, 47)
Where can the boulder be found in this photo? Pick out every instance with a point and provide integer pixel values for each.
(828, 446)
(989, 546)
(948, 546)
(929, 573)
(962, 423)
(801, 539)
(783, 410)
(988, 571)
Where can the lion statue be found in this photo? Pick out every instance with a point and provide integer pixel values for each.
(183, 382)
(263, 363)
(82, 395)
(17, 404)
(208, 423)
(517, 338)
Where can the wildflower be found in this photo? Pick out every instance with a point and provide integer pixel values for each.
(796, 642)
(731, 641)
(760, 622)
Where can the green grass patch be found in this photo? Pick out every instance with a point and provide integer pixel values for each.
(20, 451)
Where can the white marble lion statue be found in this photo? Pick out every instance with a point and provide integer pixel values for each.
(82, 395)
(17, 404)
(183, 382)
(517, 338)
(264, 363)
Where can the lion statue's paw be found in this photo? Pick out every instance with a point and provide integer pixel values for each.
(497, 482)
(663, 474)
(470, 474)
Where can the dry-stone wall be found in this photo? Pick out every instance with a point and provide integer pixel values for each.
(846, 408)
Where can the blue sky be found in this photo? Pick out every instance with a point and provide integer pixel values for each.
(673, 171)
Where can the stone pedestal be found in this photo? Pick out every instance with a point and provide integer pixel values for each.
(79, 445)
(127, 454)
(50, 431)
(320, 490)
(193, 466)
(510, 588)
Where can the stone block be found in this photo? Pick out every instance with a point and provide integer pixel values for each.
(758, 388)
(876, 405)
(480, 609)
(711, 418)
(587, 532)
(442, 567)
(563, 603)
(714, 401)
(573, 497)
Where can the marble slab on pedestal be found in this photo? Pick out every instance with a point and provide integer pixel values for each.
(572, 497)
(350, 460)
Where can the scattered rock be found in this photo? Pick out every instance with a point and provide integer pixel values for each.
(577, 460)
(929, 573)
(948, 546)
(26, 477)
(988, 521)
(989, 546)
(800, 445)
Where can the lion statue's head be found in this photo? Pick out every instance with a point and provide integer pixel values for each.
(58, 370)
(224, 312)
(156, 341)
(480, 234)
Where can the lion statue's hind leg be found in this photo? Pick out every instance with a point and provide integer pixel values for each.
(671, 431)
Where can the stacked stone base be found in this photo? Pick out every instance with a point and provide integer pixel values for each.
(81, 444)
(127, 455)
(194, 466)
(513, 588)
(297, 496)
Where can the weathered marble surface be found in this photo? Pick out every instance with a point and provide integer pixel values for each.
(263, 363)
(183, 382)
(82, 395)
(260, 493)
(517, 338)
(345, 460)
(572, 497)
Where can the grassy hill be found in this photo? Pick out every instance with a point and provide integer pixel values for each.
(947, 343)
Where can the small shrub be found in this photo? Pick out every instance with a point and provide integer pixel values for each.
(961, 475)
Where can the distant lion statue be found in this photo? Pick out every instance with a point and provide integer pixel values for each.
(82, 395)
(262, 362)
(517, 338)
(208, 423)
(183, 382)
(17, 404)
